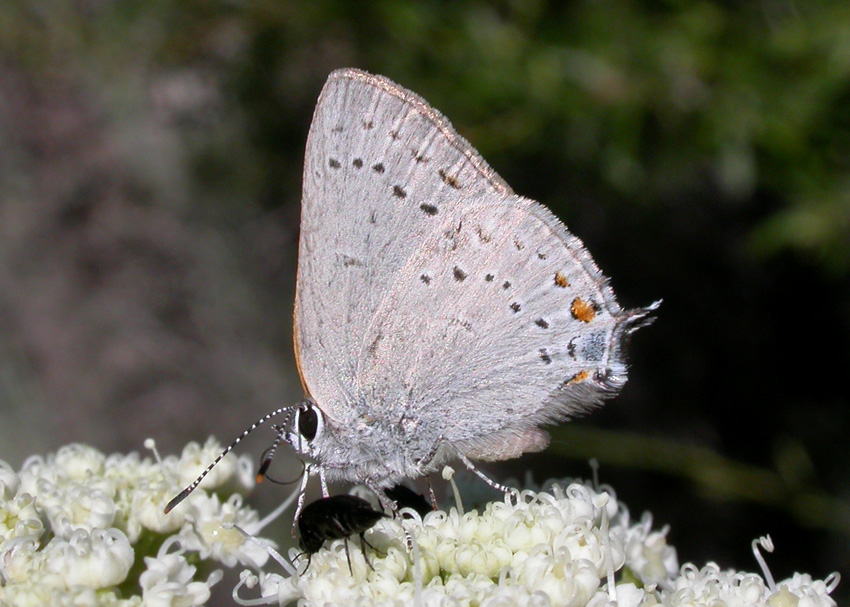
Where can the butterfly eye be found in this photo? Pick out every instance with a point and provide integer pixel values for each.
(308, 423)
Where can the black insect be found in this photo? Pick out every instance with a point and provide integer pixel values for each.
(331, 518)
(407, 498)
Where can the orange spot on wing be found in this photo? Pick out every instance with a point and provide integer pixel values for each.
(561, 280)
(582, 310)
(578, 377)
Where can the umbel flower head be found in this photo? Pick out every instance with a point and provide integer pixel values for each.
(84, 529)
(74, 524)
(568, 545)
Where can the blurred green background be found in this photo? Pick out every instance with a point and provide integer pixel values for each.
(150, 171)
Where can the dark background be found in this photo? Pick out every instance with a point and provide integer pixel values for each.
(150, 173)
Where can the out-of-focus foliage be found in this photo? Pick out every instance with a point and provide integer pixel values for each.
(150, 165)
(650, 98)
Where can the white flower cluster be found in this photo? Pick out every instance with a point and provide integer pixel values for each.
(74, 524)
(84, 529)
(712, 586)
(569, 547)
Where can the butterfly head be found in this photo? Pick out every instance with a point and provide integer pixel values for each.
(305, 429)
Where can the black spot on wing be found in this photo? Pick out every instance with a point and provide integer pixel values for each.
(449, 180)
(373, 347)
(348, 261)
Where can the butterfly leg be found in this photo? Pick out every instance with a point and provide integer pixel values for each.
(471, 467)
(443, 443)
(387, 504)
(431, 493)
(324, 482)
(390, 506)
(302, 494)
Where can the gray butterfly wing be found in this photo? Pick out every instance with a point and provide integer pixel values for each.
(371, 145)
(499, 322)
(432, 298)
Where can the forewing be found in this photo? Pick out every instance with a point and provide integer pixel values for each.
(380, 169)
(432, 298)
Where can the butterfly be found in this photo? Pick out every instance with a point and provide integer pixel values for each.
(439, 316)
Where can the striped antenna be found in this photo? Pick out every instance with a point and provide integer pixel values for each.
(268, 454)
(183, 494)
